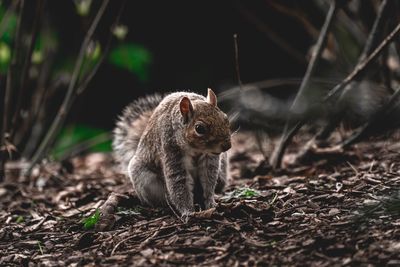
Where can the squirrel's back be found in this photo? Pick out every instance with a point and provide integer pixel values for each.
(131, 125)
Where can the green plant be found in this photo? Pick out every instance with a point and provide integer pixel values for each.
(243, 192)
(90, 222)
(20, 219)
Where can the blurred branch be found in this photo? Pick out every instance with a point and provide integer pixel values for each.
(290, 127)
(361, 67)
(8, 95)
(272, 35)
(296, 15)
(376, 30)
(370, 44)
(83, 85)
(353, 26)
(71, 92)
(26, 65)
(363, 61)
(235, 41)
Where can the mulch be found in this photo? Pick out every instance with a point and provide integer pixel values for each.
(335, 211)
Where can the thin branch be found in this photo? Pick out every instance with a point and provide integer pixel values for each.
(235, 40)
(71, 92)
(360, 68)
(376, 30)
(271, 34)
(8, 94)
(83, 85)
(351, 24)
(370, 44)
(290, 129)
(27, 63)
(297, 15)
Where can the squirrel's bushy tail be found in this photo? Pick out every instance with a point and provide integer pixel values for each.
(130, 126)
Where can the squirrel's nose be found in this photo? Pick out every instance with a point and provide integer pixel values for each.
(226, 145)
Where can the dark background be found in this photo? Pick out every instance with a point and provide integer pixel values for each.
(192, 48)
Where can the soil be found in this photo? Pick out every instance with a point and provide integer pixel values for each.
(341, 208)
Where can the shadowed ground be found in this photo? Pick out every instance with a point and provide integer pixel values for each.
(342, 209)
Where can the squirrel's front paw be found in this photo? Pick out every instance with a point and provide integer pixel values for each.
(186, 216)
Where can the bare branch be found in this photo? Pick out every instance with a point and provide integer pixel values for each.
(376, 30)
(360, 68)
(290, 127)
(8, 95)
(371, 43)
(71, 92)
(271, 34)
(26, 65)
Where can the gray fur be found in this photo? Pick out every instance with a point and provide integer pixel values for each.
(158, 158)
(126, 138)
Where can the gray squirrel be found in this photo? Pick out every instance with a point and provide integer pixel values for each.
(174, 148)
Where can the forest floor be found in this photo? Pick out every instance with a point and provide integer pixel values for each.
(341, 209)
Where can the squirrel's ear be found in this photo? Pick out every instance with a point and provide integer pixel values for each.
(211, 97)
(186, 107)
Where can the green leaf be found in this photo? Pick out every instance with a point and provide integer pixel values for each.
(40, 247)
(10, 26)
(20, 219)
(91, 221)
(5, 57)
(134, 58)
(248, 192)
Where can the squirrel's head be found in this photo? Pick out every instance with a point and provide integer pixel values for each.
(207, 128)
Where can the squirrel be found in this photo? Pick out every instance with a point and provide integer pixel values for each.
(173, 149)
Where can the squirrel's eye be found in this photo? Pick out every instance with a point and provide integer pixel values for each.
(200, 129)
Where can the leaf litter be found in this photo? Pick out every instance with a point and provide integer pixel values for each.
(329, 213)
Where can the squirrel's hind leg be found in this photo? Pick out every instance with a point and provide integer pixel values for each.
(148, 186)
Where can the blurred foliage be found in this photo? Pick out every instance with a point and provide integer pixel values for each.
(120, 31)
(76, 134)
(134, 58)
(6, 38)
(5, 57)
(83, 7)
(10, 26)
